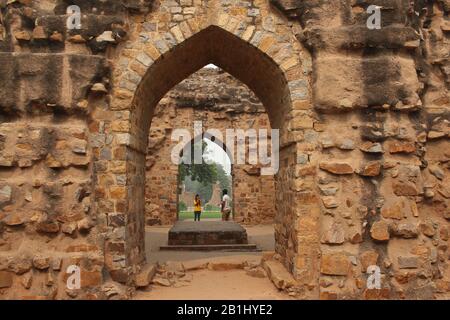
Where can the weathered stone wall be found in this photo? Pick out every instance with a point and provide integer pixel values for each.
(220, 102)
(363, 116)
(383, 126)
(51, 97)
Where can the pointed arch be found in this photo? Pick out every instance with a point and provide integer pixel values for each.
(270, 67)
(215, 45)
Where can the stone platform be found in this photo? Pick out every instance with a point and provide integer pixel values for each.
(208, 235)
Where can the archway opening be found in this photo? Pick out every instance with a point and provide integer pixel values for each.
(254, 68)
(207, 180)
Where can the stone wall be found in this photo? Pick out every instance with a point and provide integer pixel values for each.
(382, 126)
(363, 116)
(220, 102)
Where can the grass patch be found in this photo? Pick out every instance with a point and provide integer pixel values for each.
(183, 215)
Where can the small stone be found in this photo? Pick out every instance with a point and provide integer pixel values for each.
(326, 142)
(56, 263)
(380, 231)
(393, 212)
(429, 193)
(339, 168)
(387, 263)
(144, 278)
(257, 272)
(336, 264)
(402, 147)
(328, 190)
(56, 37)
(412, 44)
(405, 230)
(20, 264)
(330, 202)
(83, 104)
(347, 144)
(85, 224)
(14, 219)
(22, 35)
(69, 228)
(41, 262)
(6, 279)
(106, 36)
(404, 188)
(5, 194)
(435, 135)
(346, 215)
(345, 103)
(49, 281)
(335, 235)
(325, 282)
(48, 227)
(27, 280)
(28, 196)
(99, 88)
(408, 262)
(368, 258)
(371, 169)
(414, 209)
(79, 147)
(437, 172)
(77, 39)
(355, 236)
(427, 229)
(161, 282)
(277, 273)
(39, 33)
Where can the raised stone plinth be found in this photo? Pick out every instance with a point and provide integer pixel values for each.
(194, 233)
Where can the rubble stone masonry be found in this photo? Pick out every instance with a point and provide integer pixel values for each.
(220, 102)
(363, 118)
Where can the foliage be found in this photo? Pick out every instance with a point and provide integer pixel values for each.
(211, 207)
(204, 190)
(222, 177)
(200, 178)
(182, 206)
(204, 173)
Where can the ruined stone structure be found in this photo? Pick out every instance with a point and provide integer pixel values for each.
(363, 117)
(216, 197)
(219, 102)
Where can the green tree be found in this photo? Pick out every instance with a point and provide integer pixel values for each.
(222, 177)
(204, 173)
(182, 206)
(203, 189)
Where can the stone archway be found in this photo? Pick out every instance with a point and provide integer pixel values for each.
(186, 151)
(270, 68)
(218, 101)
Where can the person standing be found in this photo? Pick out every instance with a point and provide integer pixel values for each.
(225, 205)
(197, 208)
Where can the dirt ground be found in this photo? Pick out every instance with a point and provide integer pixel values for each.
(209, 284)
(217, 285)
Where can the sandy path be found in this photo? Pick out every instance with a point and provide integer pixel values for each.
(214, 285)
